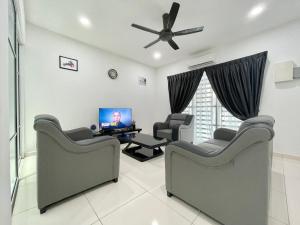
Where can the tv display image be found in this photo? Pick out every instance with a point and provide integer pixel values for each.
(115, 118)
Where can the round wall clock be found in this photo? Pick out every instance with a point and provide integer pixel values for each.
(112, 73)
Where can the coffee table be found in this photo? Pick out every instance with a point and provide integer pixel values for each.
(147, 147)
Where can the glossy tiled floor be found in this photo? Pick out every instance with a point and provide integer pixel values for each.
(139, 198)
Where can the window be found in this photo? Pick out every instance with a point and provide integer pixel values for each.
(14, 99)
(209, 113)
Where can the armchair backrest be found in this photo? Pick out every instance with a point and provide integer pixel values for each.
(46, 117)
(179, 119)
(259, 121)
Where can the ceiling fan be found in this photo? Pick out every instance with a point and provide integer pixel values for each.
(166, 33)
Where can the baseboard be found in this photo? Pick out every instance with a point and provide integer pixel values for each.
(286, 156)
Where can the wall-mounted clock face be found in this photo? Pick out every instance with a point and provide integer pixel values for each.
(112, 73)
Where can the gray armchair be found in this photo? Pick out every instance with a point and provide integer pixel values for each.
(227, 177)
(176, 127)
(69, 162)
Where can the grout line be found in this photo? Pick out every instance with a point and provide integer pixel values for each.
(198, 214)
(124, 204)
(27, 176)
(135, 182)
(177, 212)
(279, 221)
(285, 190)
(24, 211)
(92, 208)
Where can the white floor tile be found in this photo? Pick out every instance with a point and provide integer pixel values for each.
(159, 162)
(176, 204)
(277, 165)
(111, 196)
(148, 176)
(27, 195)
(272, 221)
(27, 180)
(28, 166)
(97, 223)
(128, 164)
(145, 210)
(76, 212)
(277, 182)
(204, 220)
(293, 199)
(278, 207)
(291, 168)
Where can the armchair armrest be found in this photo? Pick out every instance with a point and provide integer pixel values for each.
(224, 134)
(158, 126)
(79, 134)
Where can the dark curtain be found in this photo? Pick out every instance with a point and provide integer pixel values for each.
(238, 84)
(182, 88)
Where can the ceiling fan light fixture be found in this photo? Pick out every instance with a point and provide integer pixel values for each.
(156, 55)
(256, 11)
(84, 21)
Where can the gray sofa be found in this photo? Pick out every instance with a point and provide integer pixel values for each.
(69, 162)
(176, 127)
(228, 177)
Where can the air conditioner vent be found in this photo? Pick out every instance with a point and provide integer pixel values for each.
(201, 65)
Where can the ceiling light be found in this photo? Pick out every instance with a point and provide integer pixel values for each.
(156, 55)
(84, 21)
(256, 10)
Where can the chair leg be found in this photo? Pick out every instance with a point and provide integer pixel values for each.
(169, 194)
(116, 180)
(43, 210)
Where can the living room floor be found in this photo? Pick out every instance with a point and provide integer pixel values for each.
(139, 198)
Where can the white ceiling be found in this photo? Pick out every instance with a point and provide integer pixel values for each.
(224, 20)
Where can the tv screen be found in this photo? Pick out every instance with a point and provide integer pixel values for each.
(114, 118)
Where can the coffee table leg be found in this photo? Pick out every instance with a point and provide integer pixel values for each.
(127, 146)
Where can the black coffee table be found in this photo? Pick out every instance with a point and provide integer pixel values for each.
(147, 147)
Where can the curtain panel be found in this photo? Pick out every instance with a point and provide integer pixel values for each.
(182, 88)
(238, 83)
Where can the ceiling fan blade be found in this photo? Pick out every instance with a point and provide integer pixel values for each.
(166, 20)
(144, 28)
(173, 14)
(188, 31)
(173, 44)
(152, 43)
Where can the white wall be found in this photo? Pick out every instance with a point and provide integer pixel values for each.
(74, 97)
(5, 205)
(279, 100)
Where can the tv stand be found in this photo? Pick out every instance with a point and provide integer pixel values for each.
(124, 135)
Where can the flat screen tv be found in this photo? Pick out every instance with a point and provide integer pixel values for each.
(115, 118)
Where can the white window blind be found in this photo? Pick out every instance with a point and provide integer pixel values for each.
(209, 113)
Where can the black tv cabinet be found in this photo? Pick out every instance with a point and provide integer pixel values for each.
(124, 135)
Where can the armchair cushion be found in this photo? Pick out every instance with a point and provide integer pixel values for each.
(174, 123)
(177, 126)
(95, 140)
(159, 126)
(204, 149)
(165, 133)
(79, 134)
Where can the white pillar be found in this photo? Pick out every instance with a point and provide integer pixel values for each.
(5, 204)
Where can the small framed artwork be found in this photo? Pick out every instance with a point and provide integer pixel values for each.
(68, 63)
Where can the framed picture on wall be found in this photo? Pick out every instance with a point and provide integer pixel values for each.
(68, 63)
